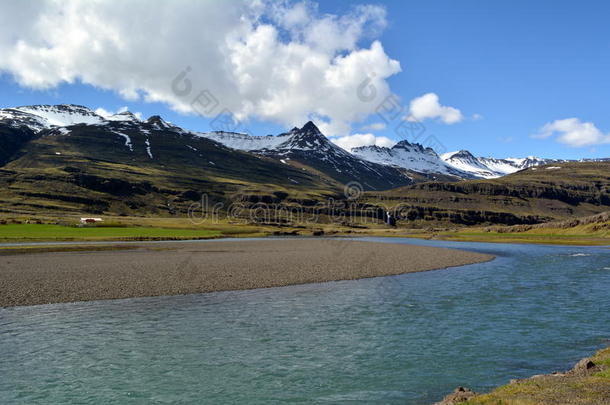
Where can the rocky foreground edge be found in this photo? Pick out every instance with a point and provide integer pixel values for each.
(587, 383)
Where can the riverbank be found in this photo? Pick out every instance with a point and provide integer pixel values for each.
(198, 267)
(588, 383)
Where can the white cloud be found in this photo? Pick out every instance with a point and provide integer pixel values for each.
(353, 141)
(573, 132)
(107, 113)
(376, 126)
(103, 112)
(282, 62)
(428, 107)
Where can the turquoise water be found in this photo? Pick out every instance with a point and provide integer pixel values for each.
(406, 339)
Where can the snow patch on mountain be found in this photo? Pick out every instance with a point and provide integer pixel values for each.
(148, 150)
(489, 168)
(464, 161)
(409, 156)
(239, 141)
(62, 115)
(39, 117)
(124, 116)
(127, 140)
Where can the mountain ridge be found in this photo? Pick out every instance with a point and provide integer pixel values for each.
(402, 163)
(72, 160)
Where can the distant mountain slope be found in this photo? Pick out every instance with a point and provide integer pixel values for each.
(120, 164)
(489, 168)
(538, 194)
(594, 224)
(69, 159)
(460, 165)
(308, 146)
(409, 156)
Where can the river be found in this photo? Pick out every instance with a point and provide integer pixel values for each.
(407, 339)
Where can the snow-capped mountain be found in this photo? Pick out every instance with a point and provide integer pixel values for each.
(307, 138)
(466, 162)
(308, 146)
(304, 148)
(39, 117)
(404, 155)
(409, 156)
(461, 164)
(489, 168)
(373, 166)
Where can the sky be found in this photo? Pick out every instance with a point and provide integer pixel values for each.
(499, 78)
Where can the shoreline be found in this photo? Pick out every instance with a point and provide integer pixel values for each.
(6, 245)
(587, 383)
(177, 268)
(568, 241)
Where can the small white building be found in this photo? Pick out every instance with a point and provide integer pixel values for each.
(90, 220)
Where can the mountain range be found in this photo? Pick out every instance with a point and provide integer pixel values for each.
(374, 166)
(412, 157)
(70, 159)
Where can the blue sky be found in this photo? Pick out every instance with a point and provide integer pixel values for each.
(509, 67)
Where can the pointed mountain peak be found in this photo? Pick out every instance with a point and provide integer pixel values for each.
(308, 137)
(156, 120)
(310, 127)
(413, 147)
(462, 154)
(125, 116)
(402, 144)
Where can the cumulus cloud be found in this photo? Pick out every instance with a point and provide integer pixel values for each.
(104, 112)
(428, 107)
(573, 132)
(107, 113)
(353, 141)
(278, 61)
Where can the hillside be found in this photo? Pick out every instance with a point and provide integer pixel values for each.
(136, 167)
(534, 195)
(67, 159)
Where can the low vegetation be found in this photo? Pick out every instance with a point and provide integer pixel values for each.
(582, 386)
(46, 232)
(591, 230)
(594, 230)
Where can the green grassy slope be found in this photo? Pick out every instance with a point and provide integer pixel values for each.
(531, 196)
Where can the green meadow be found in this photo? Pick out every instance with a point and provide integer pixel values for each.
(44, 232)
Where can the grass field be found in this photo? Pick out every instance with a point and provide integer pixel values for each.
(157, 228)
(43, 232)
